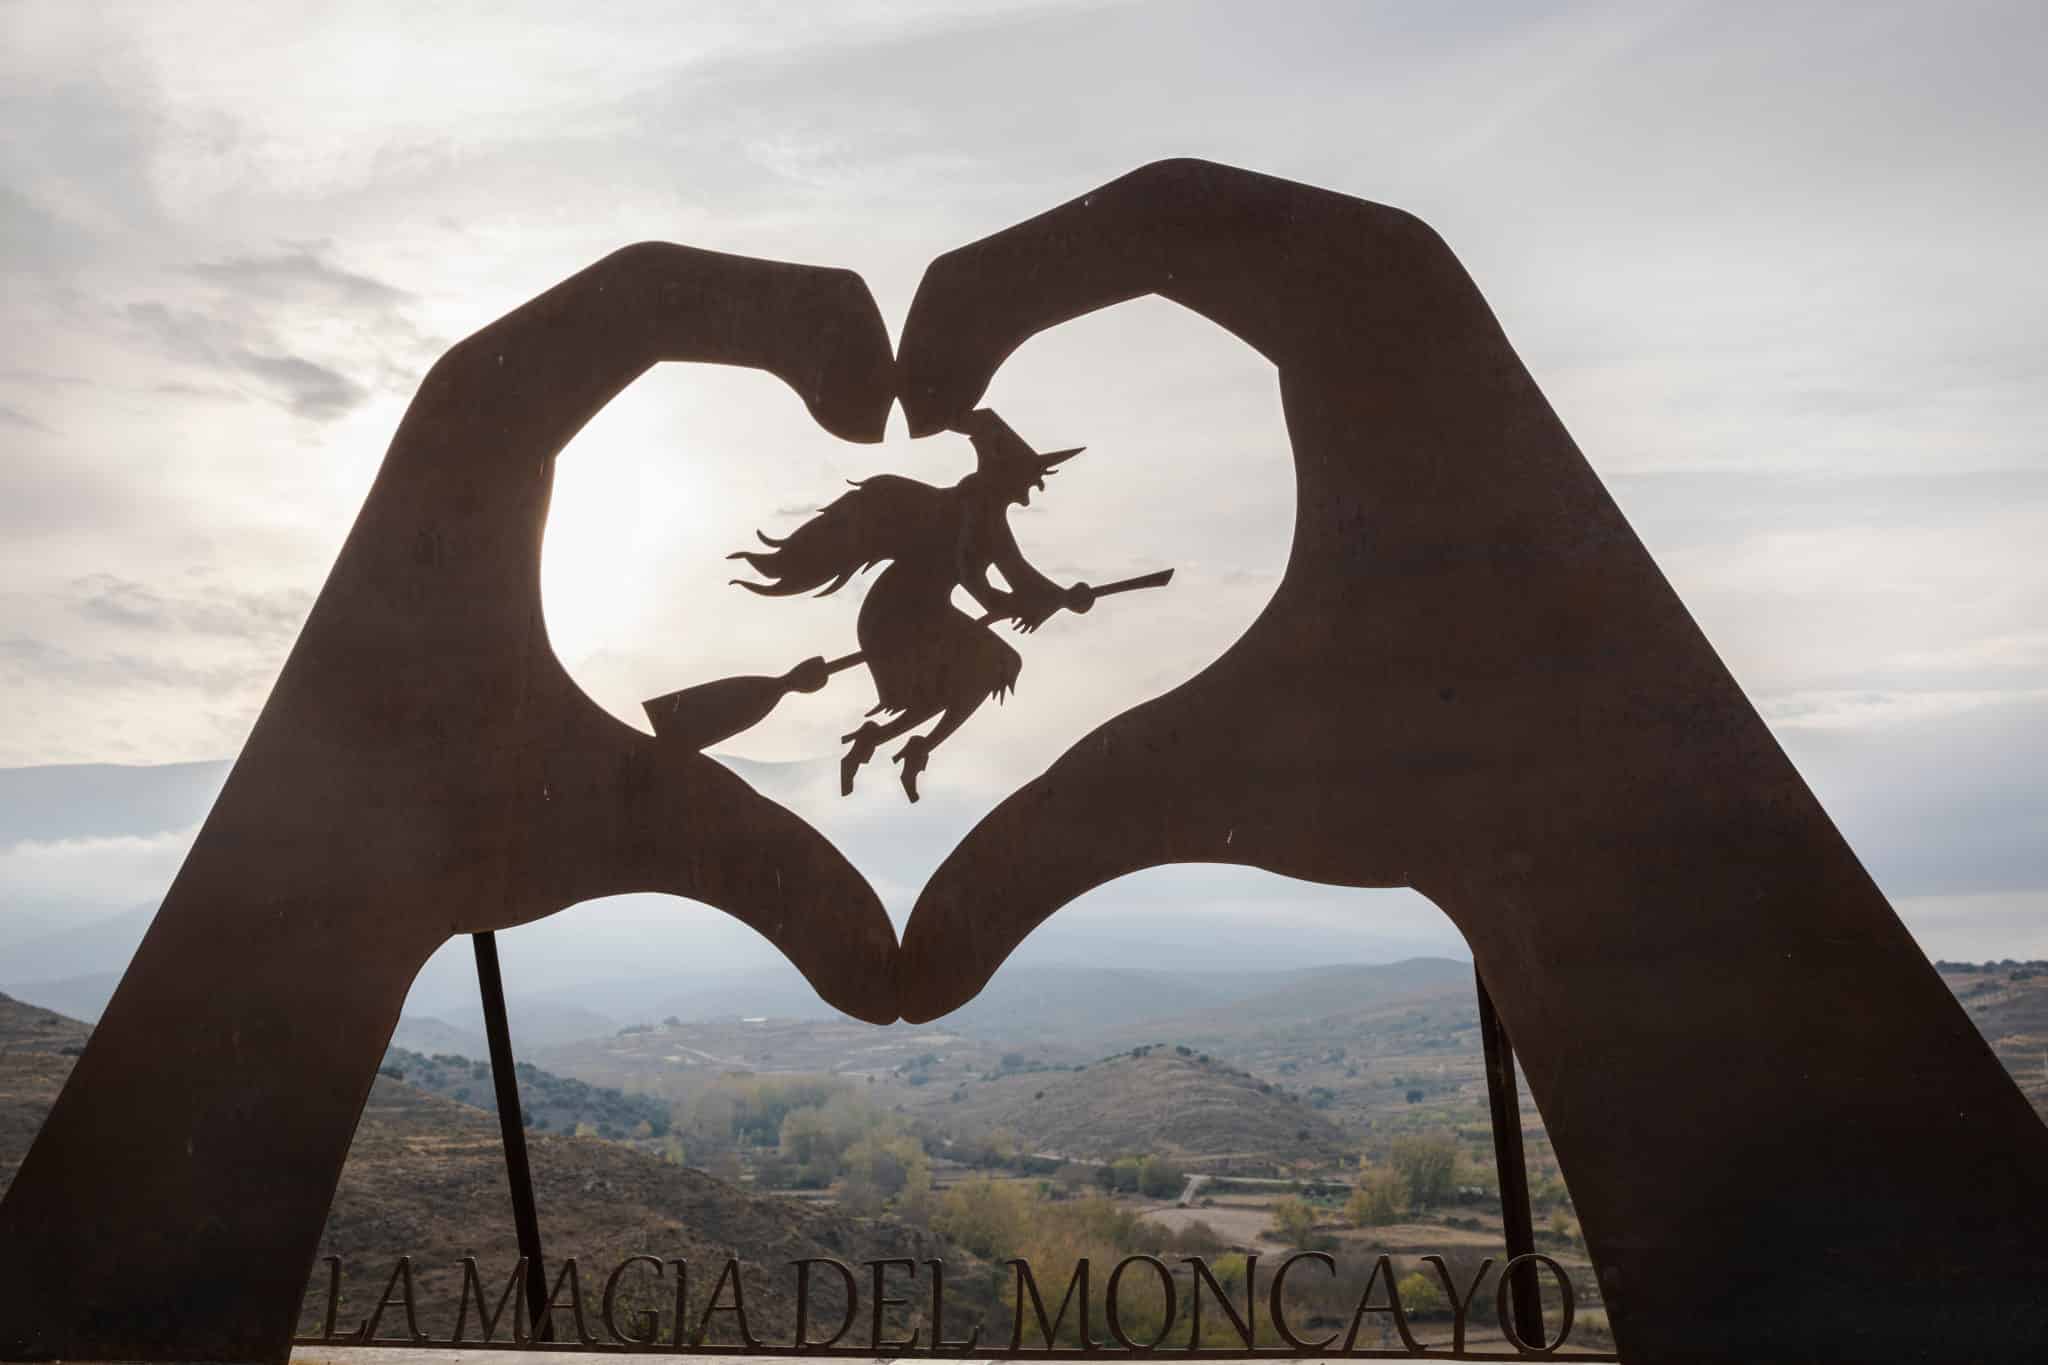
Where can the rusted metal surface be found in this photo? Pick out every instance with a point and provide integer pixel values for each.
(1783, 1137)
(1472, 680)
(1504, 1108)
(511, 1122)
(424, 767)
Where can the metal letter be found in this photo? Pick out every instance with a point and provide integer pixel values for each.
(1384, 1267)
(1276, 1307)
(1109, 1306)
(515, 1290)
(1458, 1305)
(939, 1342)
(1511, 1322)
(401, 1274)
(1027, 1284)
(650, 1319)
(880, 1269)
(738, 1306)
(803, 1301)
(1247, 1326)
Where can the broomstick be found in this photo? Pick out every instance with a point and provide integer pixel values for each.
(709, 713)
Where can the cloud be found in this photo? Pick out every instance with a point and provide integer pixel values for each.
(92, 873)
(26, 662)
(43, 378)
(14, 417)
(296, 277)
(252, 303)
(305, 388)
(310, 390)
(207, 611)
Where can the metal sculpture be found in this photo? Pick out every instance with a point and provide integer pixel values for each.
(423, 768)
(927, 657)
(1783, 1136)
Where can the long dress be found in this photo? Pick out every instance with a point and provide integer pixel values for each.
(924, 653)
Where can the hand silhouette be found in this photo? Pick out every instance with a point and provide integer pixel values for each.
(1473, 680)
(423, 768)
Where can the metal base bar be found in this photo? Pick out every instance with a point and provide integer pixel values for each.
(512, 1123)
(1517, 1224)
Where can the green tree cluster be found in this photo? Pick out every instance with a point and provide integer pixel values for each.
(1428, 1162)
(1381, 1197)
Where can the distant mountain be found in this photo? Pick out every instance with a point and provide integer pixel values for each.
(1024, 1004)
(1301, 999)
(99, 945)
(425, 1033)
(536, 1021)
(80, 997)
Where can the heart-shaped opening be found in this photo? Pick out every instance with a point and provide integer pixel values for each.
(1187, 467)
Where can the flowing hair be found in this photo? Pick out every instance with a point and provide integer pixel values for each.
(857, 531)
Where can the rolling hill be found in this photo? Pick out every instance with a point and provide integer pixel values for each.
(1172, 1102)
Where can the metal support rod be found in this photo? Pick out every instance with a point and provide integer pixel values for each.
(512, 1123)
(1517, 1226)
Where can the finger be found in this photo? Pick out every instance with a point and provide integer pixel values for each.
(1189, 777)
(1260, 256)
(610, 812)
(550, 365)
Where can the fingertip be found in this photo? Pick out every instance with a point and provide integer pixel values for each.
(933, 402)
(856, 382)
(933, 976)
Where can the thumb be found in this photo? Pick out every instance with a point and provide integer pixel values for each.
(1184, 778)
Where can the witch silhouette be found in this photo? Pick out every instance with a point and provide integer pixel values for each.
(926, 656)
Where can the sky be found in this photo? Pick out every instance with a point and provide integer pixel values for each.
(1779, 269)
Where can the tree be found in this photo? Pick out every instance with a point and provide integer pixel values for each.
(984, 1216)
(1429, 1163)
(806, 1139)
(914, 1203)
(858, 1195)
(1158, 1177)
(1421, 1296)
(1074, 1177)
(1381, 1198)
(1294, 1222)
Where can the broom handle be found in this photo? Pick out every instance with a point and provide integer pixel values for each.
(1158, 578)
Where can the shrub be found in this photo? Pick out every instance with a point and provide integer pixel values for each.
(1381, 1198)
(1294, 1222)
(1429, 1166)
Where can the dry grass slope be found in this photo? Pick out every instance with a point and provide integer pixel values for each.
(1161, 1102)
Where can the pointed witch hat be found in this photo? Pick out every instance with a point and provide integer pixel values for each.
(997, 449)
